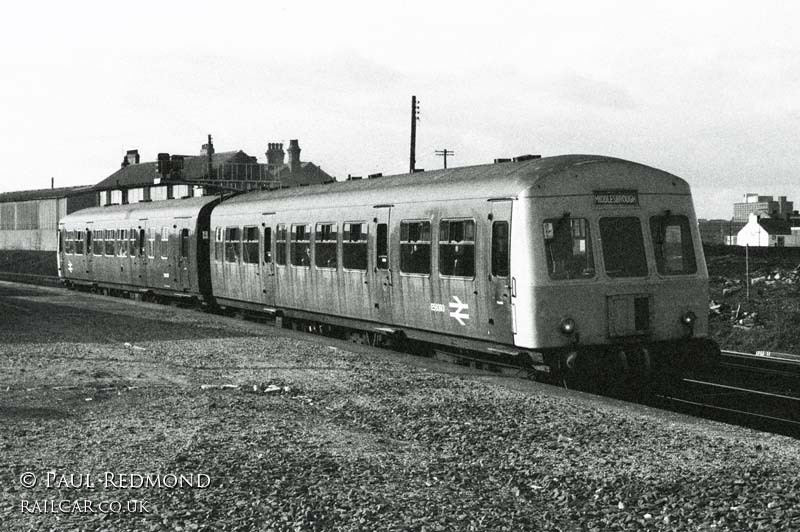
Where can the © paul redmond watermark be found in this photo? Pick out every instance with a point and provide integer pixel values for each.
(107, 480)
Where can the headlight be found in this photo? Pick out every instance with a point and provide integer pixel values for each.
(567, 326)
(688, 318)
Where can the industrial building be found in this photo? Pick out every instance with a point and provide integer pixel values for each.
(764, 205)
(29, 226)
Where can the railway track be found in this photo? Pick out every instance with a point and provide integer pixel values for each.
(757, 409)
(758, 390)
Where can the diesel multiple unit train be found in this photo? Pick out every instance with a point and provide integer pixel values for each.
(559, 262)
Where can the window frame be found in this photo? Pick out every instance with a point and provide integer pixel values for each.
(163, 251)
(681, 221)
(98, 243)
(428, 242)
(281, 245)
(235, 245)
(591, 258)
(327, 242)
(362, 242)
(296, 244)
(267, 235)
(507, 250)
(471, 243)
(151, 243)
(248, 244)
(219, 244)
(643, 245)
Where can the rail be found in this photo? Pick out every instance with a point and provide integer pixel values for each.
(757, 409)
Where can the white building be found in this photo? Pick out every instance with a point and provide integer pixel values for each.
(761, 231)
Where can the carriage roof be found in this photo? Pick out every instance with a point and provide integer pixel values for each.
(560, 175)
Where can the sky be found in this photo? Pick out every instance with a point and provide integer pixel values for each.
(705, 90)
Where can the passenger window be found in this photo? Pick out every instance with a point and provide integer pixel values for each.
(267, 245)
(132, 242)
(151, 243)
(457, 248)
(250, 245)
(301, 245)
(354, 246)
(79, 243)
(382, 247)
(568, 248)
(184, 243)
(415, 247)
(141, 242)
(280, 245)
(98, 243)
(165, 242)
(219, 244)
(109, 248)
(233, 242)
(122, 249)
(500, 249)
(623, 247)
(325, 242)
(672, 244)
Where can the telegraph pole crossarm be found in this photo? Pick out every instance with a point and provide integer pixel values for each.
(444, 153)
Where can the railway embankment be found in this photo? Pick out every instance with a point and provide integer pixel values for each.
(293, 433)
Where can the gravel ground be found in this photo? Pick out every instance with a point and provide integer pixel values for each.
(300, 433)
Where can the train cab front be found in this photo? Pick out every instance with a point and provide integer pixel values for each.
(618, 285)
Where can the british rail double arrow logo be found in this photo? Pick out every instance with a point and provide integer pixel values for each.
(458, 313)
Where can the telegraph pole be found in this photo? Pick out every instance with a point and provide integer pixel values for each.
(444, 153)
(412, 163)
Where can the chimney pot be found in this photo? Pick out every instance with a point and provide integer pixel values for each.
(294, 155)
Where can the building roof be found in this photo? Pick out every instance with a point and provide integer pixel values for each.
(44, 193)
(308, 174)
(137, 175)
(775, 226)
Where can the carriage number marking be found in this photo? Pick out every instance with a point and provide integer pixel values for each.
(458, 309)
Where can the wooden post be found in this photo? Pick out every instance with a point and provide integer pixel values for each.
(747, 269)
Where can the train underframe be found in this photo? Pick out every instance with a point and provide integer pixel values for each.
(629, 364)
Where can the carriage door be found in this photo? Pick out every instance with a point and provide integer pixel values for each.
(500, 281)
(88, 250)
(381, 280)
(184, 259)
(267, 264)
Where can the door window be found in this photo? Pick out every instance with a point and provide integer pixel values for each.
(267, 245)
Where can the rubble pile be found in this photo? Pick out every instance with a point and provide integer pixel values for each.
(749, 320)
